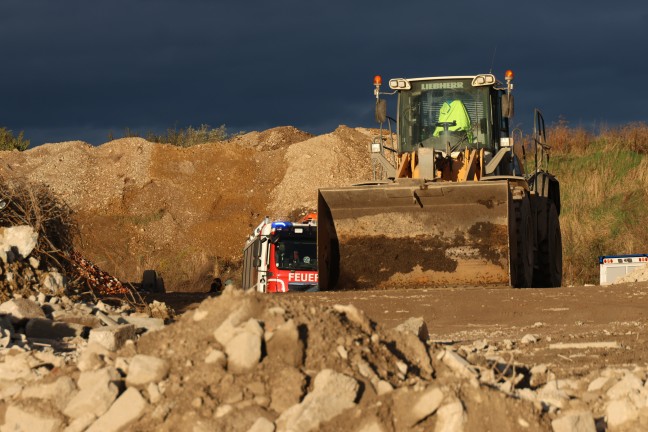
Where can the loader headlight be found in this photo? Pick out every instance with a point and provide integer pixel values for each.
(483, 80)
(375, 147)
(399, 84)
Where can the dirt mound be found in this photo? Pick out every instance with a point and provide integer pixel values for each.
(272, 139)
(185, 212)
(337, 159)
(244, 359)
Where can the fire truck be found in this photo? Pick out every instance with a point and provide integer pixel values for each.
(281, 256)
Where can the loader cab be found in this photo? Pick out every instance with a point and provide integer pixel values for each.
(450, 113)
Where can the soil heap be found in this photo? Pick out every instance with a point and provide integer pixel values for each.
(185, 212)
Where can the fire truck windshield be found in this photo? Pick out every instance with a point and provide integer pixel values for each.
(296, 254)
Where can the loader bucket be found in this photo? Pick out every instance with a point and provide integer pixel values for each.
(412, 234)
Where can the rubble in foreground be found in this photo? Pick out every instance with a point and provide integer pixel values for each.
(250, 362)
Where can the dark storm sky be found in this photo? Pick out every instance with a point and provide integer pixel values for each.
(77, 69)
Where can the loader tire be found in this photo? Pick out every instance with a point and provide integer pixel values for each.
(524, 239)
(549, 271)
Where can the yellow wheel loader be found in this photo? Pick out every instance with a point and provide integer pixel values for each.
(456, 200)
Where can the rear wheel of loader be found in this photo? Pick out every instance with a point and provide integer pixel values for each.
(524, 239)
(549, 273)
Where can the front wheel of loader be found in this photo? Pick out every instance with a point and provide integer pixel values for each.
(549, 272)
(523, 275)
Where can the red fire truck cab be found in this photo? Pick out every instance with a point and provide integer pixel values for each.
(281, 256)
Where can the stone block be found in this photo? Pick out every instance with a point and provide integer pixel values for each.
(332, 394)
(145, 369)
(17, 242)
(262, 424)
(127, 409)
(285, 346)
(217, 357)
(620, 411)
(97, 393)
(574, 421)
(286, 388)
(355, 315)
(80, 424)
(244, 348)
(415, 326)
(44, 328)
(112, 337)
(227, 329)
(457, 364)
(628, 384)
(451, 418)
(150, 324)
(411, 407)
(20, 419)
(21, 310)
(52, 282)
(59, 392)
(76, 317)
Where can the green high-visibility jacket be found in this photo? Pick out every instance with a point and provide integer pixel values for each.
(454, 111)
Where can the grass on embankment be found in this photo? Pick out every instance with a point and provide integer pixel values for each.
(604, 193)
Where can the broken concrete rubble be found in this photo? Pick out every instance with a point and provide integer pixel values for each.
(332, 394)
(293, 377)
(112, 337)
(17, 242)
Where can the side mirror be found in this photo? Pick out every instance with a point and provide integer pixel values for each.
(381, 110)
(256, 249)
(508, 105)
(256, 263)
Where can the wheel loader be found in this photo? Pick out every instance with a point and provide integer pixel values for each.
(457, 197)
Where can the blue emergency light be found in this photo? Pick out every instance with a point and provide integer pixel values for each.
(281, 225)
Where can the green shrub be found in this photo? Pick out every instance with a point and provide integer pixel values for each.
(183, 137)
(9, 142)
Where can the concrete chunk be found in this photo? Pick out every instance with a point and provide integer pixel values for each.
(450, 418)
(585, 345)
(574, 421)
(17, 242)
(150, 324)
(457, 364)
(59, 392)
(52, 282)
(244, 349)
(96, 395)
(333, 393)
(215, 356)
(227, 329)
(286, 388)
(47, 329)
(81, 423)
(620, 411)
(127, 409)
(112, 337)
(628, 384)
(416, 326)
(145, 369)
(411, 407)
(19, 419)
(21, 310)
(355, 315)
(262, 424)
(285, 345)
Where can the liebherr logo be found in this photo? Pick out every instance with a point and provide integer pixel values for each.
(303, 277)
